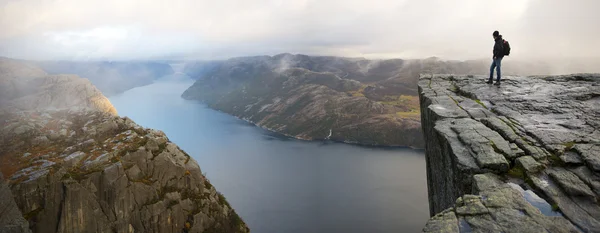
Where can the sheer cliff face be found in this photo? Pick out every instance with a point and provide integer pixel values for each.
(352, 100)
(11, 219)
(72, 165)
(522, 157)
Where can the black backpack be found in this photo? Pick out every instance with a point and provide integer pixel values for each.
(506, 47)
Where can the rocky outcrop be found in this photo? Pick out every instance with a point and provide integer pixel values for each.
(499, 207)
(521, 157)
(11, 219)
(74, 166)
(73, 171)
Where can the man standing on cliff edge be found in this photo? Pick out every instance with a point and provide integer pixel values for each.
(497, 59)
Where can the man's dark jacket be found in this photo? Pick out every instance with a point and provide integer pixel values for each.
(499, 47)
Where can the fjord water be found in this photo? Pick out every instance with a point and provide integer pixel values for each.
(278, 184)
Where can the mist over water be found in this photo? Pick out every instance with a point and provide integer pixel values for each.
(278, 184)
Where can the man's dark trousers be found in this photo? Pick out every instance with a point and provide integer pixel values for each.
(496, 63)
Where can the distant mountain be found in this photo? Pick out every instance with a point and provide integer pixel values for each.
(110, 77)
(25, 87)
(373, 102)
(198, 68)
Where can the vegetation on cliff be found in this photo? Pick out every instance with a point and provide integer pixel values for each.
(342, 99)
(96, 172)
(72, 165)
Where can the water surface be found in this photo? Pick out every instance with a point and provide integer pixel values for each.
(277, 184)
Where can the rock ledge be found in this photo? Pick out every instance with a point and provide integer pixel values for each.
(521, 157)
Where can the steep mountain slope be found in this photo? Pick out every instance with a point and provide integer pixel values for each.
(74, 166)
(313, 98)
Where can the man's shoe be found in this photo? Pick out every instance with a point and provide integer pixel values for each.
(489, 82)
(497, 83)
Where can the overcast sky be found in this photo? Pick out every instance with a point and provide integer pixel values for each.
(214, 29)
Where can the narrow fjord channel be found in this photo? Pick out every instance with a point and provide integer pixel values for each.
(278, 184)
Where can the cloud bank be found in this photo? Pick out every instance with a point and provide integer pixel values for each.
(208, 29)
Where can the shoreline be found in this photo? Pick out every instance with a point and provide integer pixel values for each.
(310, 139)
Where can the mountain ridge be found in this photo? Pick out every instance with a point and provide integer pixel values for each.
(309, 97)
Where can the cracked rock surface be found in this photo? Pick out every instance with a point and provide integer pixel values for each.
(521, 157)
(71, 165)
(11, 219)
(107, 174)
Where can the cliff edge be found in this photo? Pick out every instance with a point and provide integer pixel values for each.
(11, 219)
(521, 157)
(73, 165)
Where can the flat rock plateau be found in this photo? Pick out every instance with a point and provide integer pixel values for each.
(520, 157)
